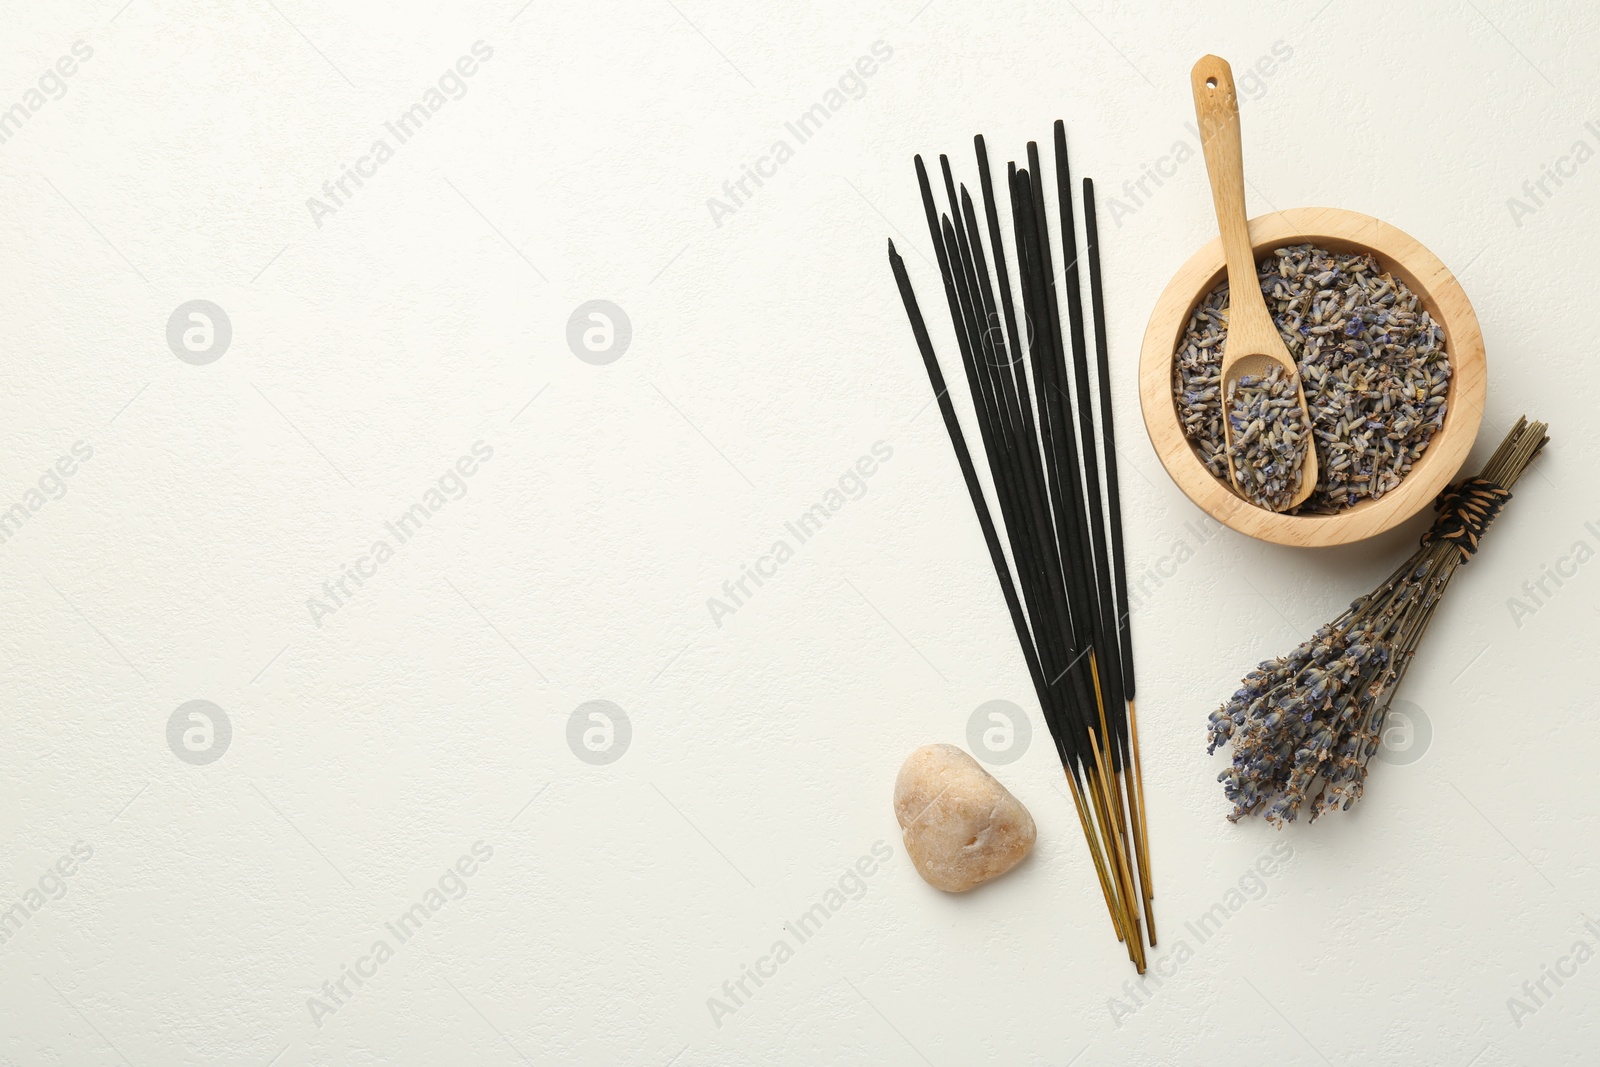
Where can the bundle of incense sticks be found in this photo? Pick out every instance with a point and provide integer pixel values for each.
(1053, 476)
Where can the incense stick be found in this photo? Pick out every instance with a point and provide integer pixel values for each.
(1119, 557)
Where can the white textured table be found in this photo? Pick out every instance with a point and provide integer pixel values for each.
(371, 507)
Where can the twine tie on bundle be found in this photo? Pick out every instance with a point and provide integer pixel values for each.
(1465, 512)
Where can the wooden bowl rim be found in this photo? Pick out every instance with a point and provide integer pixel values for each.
(1441, 294)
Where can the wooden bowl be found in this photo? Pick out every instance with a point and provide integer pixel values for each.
(1407, 260)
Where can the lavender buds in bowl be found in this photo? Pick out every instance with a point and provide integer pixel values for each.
(1374, 367)
(1363, 488)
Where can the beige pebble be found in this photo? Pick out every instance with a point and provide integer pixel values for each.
(962, 828)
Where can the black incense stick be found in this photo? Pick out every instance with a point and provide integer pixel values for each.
(1119, 559)
(1113, 492)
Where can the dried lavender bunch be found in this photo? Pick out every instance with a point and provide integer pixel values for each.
(1313, 718)
(1372, 363)
(1270, 438)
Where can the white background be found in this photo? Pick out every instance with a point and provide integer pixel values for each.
(374, 746)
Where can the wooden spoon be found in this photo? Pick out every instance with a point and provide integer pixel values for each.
(1254, 346)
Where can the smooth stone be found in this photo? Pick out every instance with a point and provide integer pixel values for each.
(961, 827)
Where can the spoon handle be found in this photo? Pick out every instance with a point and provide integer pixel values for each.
(1216, 107)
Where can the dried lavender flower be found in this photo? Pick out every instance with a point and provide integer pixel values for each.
(1316, 715)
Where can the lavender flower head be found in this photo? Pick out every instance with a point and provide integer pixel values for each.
(1306, 720)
